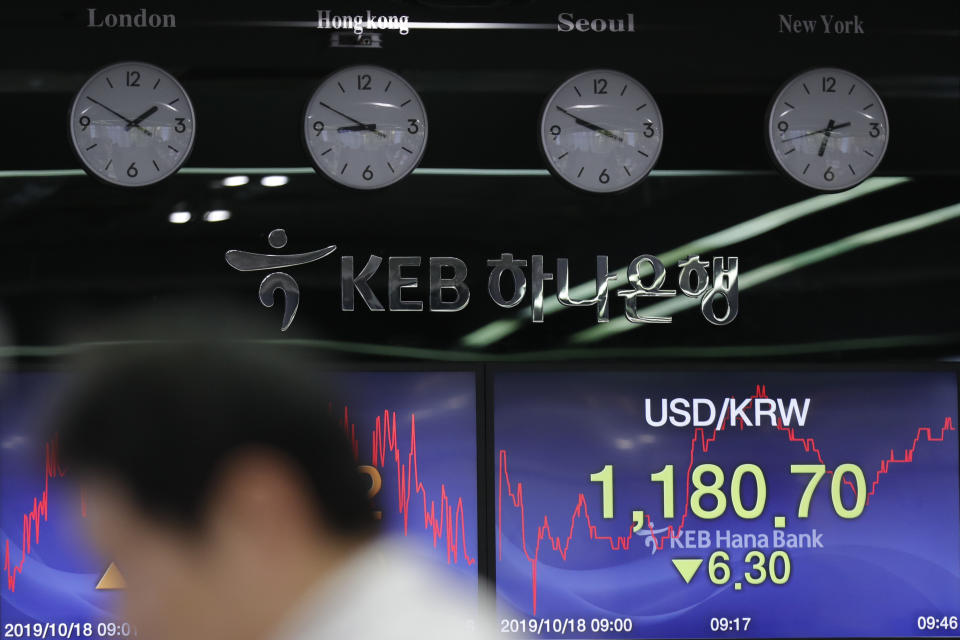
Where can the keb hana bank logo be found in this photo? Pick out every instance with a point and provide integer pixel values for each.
(439, 284)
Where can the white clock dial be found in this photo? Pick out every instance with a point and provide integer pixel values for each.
(601, 131)
(827, 129)
(365, 127)
(132, 124)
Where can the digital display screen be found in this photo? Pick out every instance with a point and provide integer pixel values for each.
(414, 433)
(50, 575)
(683, 505)
(419, 430)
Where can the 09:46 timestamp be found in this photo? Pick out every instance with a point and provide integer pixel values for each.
(938, 623)
(730, 624)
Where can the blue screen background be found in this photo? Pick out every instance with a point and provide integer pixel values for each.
(874, 575)
(61, 571)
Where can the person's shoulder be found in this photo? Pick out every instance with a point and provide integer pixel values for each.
(415, 599)
(388, 589)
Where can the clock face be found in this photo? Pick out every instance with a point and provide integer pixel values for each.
(365, 127)
(132, 124)
(827, 129)
(601, 131)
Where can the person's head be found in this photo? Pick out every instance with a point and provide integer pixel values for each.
(217, 479)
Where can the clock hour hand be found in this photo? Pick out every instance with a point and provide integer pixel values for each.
(366, 127)
(813, 133)
(358, 127)
(146, 114)
(122, 117)
(826, 136)
(590, 125)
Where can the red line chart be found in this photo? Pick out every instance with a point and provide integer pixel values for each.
(560, 543)
(36, 515)
(444, 519)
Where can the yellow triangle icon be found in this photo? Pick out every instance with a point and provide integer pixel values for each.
(687, 567)
(112, 579)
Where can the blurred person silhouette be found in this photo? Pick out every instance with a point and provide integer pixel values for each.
(218, 481)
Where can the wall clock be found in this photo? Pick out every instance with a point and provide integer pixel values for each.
(132, 124)
(601, 131)
(827, 129)
(365, 127)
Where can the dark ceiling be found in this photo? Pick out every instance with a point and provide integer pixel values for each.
(76, 253)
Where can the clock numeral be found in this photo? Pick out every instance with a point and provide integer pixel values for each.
(828, 175)
(367, 173)
(133, 78)
(648, 131)
(318, 127)
(604, 177)
(555, 131)
(828, 84)
(363, 81)
(414, 125)
(180, 127)
(132, 170)
(599, 85)
(782, 126)
(84, 122)
(874, 129)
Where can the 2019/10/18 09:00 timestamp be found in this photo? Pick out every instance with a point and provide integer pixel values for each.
(538, 626)
(68, 630)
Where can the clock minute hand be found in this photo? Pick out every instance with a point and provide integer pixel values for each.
(119, 115)
(379, 133)
(146, 114)
(813, 133)
(590, 125)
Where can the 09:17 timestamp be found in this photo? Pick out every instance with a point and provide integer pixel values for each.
(730, 624)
